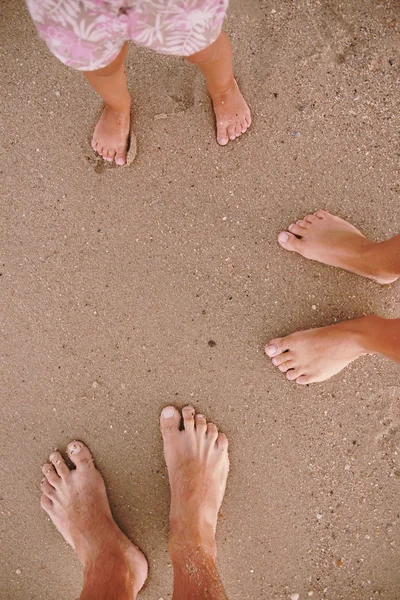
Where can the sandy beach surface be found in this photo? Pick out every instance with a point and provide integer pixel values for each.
(123, 290)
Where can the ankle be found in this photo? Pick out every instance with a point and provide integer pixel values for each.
(123, 105)
(216, 89)
(383, 263)
(369, 332)
(184, 540)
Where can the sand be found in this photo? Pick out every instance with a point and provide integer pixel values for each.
(114, 281)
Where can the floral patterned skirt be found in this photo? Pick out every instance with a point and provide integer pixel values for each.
(89, 34)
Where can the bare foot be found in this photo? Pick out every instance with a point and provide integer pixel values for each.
(76, 501)
(111, 135)
(198, 464)
(332, 241)
(318, 354)
(232, 114)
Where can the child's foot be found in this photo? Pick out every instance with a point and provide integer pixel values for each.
(231, 112)
(317, 354)
(111, 135)
(76, 501)
(198, 464)
(331, 240)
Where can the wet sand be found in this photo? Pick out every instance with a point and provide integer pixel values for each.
(115, 281)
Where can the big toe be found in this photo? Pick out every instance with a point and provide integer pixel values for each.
(289, 241)
(79, 454)
(276, 347)
(169, 420)
(222, 134)
(120, 157)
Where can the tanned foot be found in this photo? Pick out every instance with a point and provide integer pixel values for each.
(76, 501)
(231, 112)
(318, 354)
(198, 464)
(111, 135)
(332, 241)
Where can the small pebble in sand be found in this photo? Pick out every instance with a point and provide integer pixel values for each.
(294, 596)
(18, 571)
(310, 593)
(296, 133)
(58, 94)
(319, 516)
(211, 343)
(251, 570)
(313, 307)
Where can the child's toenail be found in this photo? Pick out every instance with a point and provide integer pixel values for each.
(283, 238)
(168, 412)
(271, 350)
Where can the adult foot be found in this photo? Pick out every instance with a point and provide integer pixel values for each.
(231, 112)
(331, 240)
(318, 354)
(198, 464)
(111, 135)
(76, 501)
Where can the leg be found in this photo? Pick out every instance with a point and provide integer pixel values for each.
(110, 138)
(76, 502)
(333, 241)
(198, 463)
(317, 354)
(231, 111)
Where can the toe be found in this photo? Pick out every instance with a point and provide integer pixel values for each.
(289, 241)
(59, 464)
(111, 155)
(212, 432)
(46, 488)
(222, 135)
(94, 144)
(120, 157)
(79, 454)
(276, 346)
(222, 441)
(46, 503)
(50, 473)
(304, 380)
(231, 132)
(294, 374)
(238, 130)
(296, 229)
(321, 214)
(311, 218)
(284, 367)
(201, 423)
(279, 360)
(170, 420)
(108, 155)
(188, 418)
(302, 223)
(244, 125)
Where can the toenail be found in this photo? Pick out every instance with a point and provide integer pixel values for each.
(271, 350)
(283, 238)
(74, 448)
(168, 412)
(275, 361)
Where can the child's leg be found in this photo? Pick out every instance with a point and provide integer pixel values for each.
(231, 111)
(111, 134)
